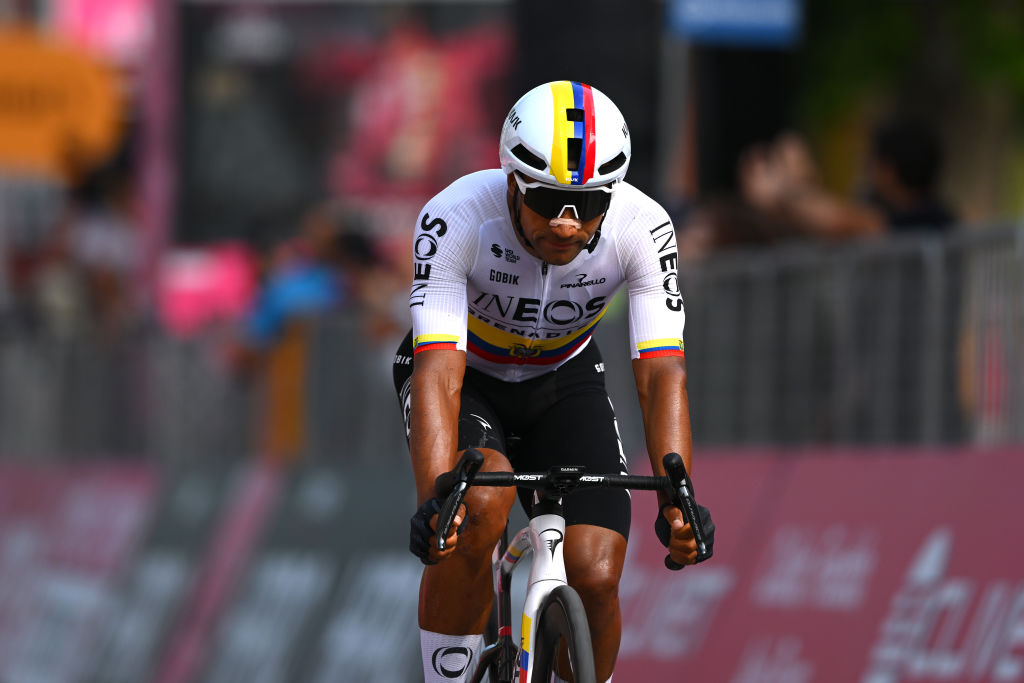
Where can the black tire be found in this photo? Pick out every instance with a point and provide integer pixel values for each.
(562, 616)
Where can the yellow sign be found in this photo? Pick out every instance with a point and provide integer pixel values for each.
(60, 110)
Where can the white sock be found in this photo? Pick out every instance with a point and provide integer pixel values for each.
(448, 659)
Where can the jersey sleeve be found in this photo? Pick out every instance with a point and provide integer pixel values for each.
(444, 248)
(650, 259)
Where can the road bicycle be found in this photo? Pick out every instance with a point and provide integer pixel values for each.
(552, 610)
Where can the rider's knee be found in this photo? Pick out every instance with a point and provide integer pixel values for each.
(597, 583)
(486, 517)
(594, 562)
(487, 509)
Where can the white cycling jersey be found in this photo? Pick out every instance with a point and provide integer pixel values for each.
(476, 288)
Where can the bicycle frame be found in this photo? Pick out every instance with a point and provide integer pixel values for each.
(543, 537)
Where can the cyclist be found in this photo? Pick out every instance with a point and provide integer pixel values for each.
(513, 269)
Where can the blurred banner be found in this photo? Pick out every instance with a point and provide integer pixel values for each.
(153, 592)
(865, 566)
(120, 30)
(376, 106)
(66, 534)
(776, 23)
(60, 109)
(869, 566)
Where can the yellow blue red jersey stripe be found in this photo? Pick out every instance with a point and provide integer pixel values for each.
(432, 342)
(657, 348)
(504, 347)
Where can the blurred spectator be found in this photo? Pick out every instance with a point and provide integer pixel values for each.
(61, 117)
(904, 167)
(49, 288)
(330, 265)
(724, 223)
(782, 198)
(781, 182)
(301, 280)
(105, 243)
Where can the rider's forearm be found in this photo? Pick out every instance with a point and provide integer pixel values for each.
(661, 388)
(435, 399)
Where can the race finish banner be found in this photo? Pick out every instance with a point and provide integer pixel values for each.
(869, 567)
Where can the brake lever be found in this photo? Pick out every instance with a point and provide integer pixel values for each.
(452, 486)
(683, 498)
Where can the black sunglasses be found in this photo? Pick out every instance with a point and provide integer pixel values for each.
(550, 203)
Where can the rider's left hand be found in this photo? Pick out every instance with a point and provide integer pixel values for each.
(676, 535)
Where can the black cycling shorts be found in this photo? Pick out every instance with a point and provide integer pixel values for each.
(562, 418)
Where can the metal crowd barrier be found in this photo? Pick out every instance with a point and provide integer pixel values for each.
(912, 339)
(147, 394)
(909, 340)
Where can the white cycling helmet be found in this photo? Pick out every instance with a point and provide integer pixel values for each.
(566, 135)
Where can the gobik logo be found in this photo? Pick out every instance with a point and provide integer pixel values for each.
(451, 662)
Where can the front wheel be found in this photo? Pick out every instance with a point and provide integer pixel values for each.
(562, 616)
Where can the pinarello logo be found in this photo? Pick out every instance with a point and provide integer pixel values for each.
(582, 281)
(552, 540)
(451, 662)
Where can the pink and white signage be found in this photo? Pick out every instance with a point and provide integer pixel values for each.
(66, 534)
(871, 567)
(120, 30)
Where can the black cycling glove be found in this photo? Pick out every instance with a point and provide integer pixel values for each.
(664, 531)
(420, 531)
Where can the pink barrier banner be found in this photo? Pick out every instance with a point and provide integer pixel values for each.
(867, 566)
(66, 532)
(238, 533)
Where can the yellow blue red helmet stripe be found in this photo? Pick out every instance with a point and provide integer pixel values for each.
(566, 96)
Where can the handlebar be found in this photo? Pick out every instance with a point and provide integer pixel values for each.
(452, 488)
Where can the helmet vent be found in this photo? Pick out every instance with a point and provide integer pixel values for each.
(529, 158)
(573, 148)
(574, 114)
(609, 166)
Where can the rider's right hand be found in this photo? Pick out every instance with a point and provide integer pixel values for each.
(423, 532)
